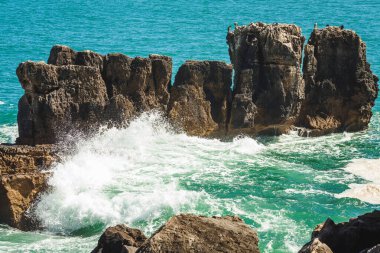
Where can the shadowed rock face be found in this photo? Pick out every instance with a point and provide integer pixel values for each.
(79, 91)
(357, 235)
(339, 85)
(120, 239)
(268, 85)
(200, 97)
(191, 233)
(58, 99)
(22, 178)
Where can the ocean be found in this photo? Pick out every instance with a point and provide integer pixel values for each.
(142, 175)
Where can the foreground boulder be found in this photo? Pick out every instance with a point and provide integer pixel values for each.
(357, 235)
(340, 87)
(191, 233)
(120, 239)
(23, 177)
(268, 84)
(200, 97)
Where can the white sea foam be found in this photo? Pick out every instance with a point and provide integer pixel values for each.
(8, 133)
(368, 169)
(2, 103)
(133, 175)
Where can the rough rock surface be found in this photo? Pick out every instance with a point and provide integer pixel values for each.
(191, 233)
(120, 239)
(268, 88)
(357, 235)
(22, 178)
(58, 99)
(144, 81)
(339, 85)
(78, 91)
(200, 97)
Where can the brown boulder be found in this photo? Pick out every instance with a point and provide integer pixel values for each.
(17, 194)
(356, 235)
(200, 97)
(22, 179)
(191, 233)
(339, 85)
(268, 87)
(120, 239)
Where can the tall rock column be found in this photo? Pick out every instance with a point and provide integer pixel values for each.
(200, 97)
(268, 87)
(339, 85)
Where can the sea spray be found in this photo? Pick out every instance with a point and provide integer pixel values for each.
(146, 172)
(132, 175)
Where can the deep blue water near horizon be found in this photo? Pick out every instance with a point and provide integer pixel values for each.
(281, 186)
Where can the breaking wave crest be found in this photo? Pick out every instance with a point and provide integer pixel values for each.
(134, 175)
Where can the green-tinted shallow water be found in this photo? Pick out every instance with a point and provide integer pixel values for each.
(144, 174)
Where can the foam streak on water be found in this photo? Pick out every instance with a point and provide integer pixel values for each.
(369, 170)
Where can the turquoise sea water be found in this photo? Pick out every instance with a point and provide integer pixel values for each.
(144, 174)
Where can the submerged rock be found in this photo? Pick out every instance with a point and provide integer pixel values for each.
(23, 177)
(339, 85)
(357, 235)
(268, 84)
(200, 97)
(120, 239)
(191, 233)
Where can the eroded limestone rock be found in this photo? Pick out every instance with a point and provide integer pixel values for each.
(200, 97)
(339, 85)
(79, 91)
(191, 233)
(23, 177)
(268, 88)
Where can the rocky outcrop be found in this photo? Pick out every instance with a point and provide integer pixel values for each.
(120, 239)
(191, 233)
(200, 97)
(57, 100)
(79, 91)
(268, 86)
(339, 85)
(22, 177)
(357, 235)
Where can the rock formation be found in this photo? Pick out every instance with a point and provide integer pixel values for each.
(357, 235)
(200, 97)
(58, 99)
(22, 177)
(78, 91)
(268, 87)
(339, 85)
(191, 233)
(120, 239)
